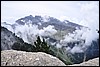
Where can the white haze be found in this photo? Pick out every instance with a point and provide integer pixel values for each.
(47, 31)
(78, 35)
(28, 32)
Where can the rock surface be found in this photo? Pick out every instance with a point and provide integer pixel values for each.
(92, 62)
(20, 58)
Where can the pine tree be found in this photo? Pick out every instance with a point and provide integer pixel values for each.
(38, 44)
(41, 46)
(45, 46)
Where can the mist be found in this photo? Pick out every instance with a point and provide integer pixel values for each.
(80, 35)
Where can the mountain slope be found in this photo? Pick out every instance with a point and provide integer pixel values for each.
(91, 62)
(8, 39)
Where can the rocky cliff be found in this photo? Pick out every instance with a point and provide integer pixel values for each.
(20, 58)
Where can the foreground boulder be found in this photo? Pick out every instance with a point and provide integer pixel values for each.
(20, 58)
(92, 62)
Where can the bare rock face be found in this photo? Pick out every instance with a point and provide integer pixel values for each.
(92, 62)
(20, 58)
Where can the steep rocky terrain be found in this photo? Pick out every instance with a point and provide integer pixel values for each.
(8, 39)
(20, 58)
(91, 62)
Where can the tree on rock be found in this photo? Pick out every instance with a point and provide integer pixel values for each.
(41, 46)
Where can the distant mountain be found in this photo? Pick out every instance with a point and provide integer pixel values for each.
(45, 21)
(62, 27)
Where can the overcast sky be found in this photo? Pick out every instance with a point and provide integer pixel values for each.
(82, 12)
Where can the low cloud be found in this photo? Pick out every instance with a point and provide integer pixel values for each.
(47, 31)
(80, 35)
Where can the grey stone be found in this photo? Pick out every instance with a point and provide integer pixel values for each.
(21, 58)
